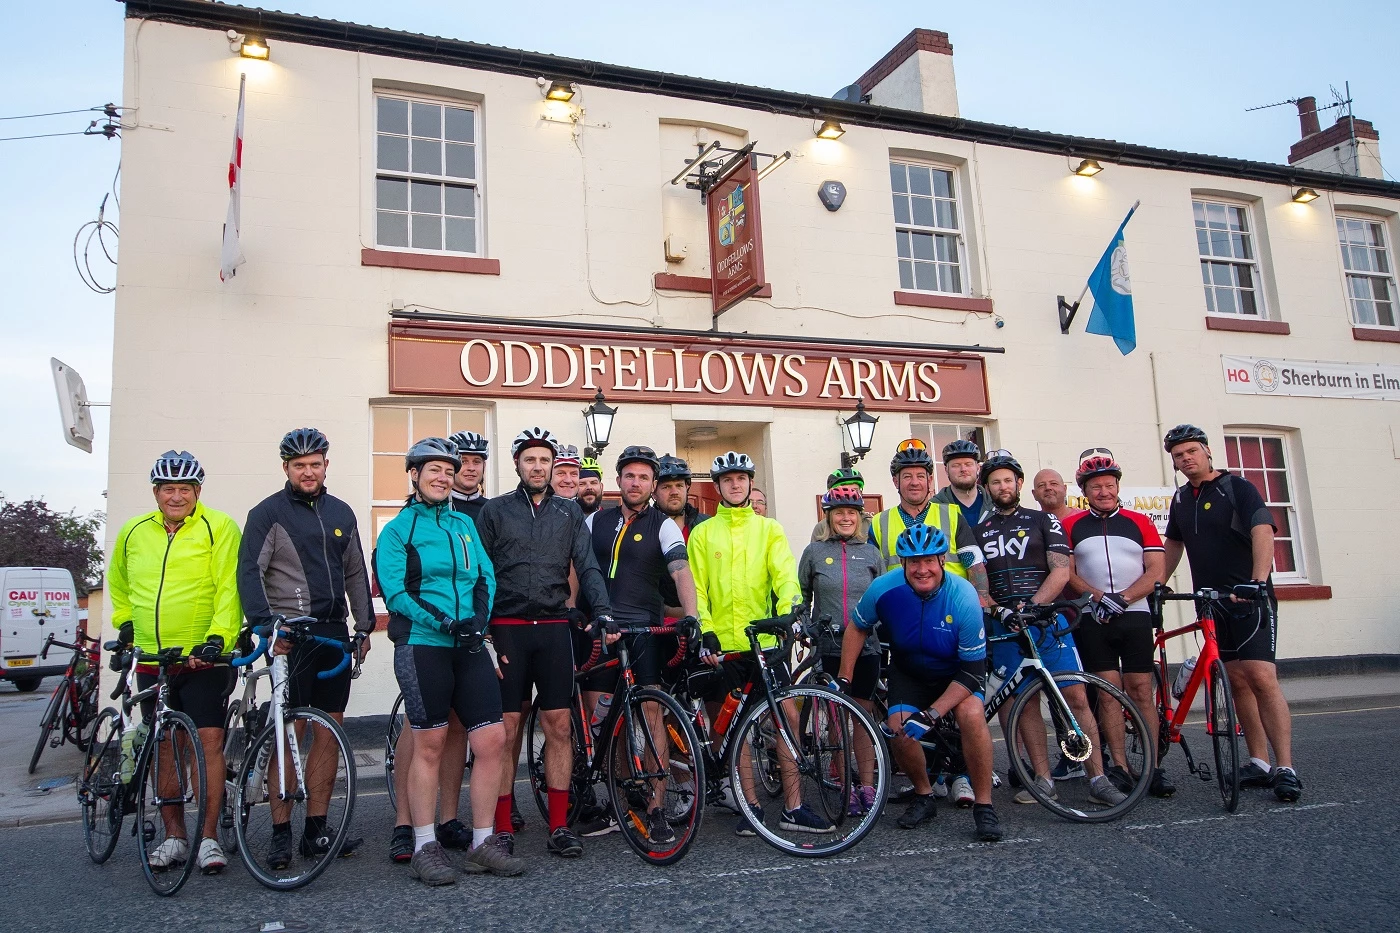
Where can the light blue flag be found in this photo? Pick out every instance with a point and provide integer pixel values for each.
(1113, 294)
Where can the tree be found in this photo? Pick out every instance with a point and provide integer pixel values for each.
(33, 535)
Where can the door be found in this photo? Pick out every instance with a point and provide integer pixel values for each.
(704, 496)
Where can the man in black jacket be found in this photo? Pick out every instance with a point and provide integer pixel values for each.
(534, 537)
(301, 556)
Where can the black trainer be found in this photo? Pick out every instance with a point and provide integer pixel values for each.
(1251, 775)
(564, 843)
(988, 826)
(401, 844)
(517, 822)
(922, 809)
(1288, 787)
(658, 830)
(317, 846)
(454, 835)
(1161, 785)
(279, 854)
(1122, 780)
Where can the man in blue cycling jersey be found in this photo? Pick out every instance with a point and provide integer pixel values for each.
(938, 667)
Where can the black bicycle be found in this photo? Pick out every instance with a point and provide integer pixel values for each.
(73, 706)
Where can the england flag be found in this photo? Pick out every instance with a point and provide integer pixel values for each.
(231, 256)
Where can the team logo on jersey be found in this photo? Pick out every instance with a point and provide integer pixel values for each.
(831, 560)
(1207, 505)
(1001, 547)
(949, 619)
(337, 532)
(637, 537)
(1021, 533)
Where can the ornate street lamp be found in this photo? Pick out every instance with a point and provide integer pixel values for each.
(858, 434)
(598, 422)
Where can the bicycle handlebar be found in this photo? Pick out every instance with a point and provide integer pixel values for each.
(298, 635)
(783, 625)
(1247, 592)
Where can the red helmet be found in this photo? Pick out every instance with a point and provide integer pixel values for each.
(1090, 467)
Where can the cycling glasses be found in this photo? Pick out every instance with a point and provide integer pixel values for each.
(1096, 452)
(912, 443)
(1001, 453)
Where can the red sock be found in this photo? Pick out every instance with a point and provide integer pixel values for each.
(503, 805)
(558, 809)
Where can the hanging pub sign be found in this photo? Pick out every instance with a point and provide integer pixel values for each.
(483, 360)
(736, 237)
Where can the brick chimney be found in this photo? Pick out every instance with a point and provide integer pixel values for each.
(917, 74)
(1307, 116)
(1347, 147)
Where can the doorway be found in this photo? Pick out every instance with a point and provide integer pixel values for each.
(700, 442)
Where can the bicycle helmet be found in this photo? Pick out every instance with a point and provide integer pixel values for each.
(672, 467)
(430, 449)
(303, 442)
(639, 454)
(911, 457)
(567, 456)
(843, 498)
(172, 467)
(844, 477)
(731, 462)
(589, 467)
(921, 541)
(961, 448)
(533, 437)
(469, 442)
(1097, 465)
(999, 460)
(1184, 433)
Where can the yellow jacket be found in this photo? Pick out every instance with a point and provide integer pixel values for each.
(180, 589)
(741, 561)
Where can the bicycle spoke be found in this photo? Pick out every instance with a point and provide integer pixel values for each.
(170, 802)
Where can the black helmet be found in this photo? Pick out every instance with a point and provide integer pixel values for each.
(1182, 434)
(469, 442)
(731, 462)
(534, 437)
(303, 442)
(638, 454)
(911, 457)
(671, 467)
(430, 449)
(999, 460)
(845, 476)
(961, 448)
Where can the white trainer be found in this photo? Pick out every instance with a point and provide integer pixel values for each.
(211, 857)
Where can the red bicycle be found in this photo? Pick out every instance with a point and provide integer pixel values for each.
(73, 706)
(1222, 725)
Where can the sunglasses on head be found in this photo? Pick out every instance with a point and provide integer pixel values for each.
(1096, 452)
(1001, 453)
(912, 443)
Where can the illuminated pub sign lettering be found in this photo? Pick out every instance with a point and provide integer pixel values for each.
(488, 361)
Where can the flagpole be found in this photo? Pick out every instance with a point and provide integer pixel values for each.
(1067, 310)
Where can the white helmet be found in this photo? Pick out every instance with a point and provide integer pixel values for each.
(179, 467)
(731, 462)
(534, 437)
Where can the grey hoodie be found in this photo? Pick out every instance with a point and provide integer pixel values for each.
(834, 576)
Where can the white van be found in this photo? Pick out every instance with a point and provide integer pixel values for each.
(39, 601)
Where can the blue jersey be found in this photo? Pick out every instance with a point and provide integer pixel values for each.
(928, 637)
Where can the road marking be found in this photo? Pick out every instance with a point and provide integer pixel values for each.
(1136, 827)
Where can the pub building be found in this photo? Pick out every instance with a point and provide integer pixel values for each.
(440, 235)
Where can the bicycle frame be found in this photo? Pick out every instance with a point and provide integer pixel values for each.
(1210, 652)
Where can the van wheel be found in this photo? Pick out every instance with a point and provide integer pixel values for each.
(27, 684)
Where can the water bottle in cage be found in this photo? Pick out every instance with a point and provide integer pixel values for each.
(600, 713)
(1183, 677)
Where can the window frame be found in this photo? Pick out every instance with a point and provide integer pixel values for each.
(958, 234)
(977, 429)
(477, 183)
(376, 505)
(1389, 276)
(1256, 263)
(1300, 530)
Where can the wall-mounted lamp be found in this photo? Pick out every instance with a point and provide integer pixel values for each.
(247, 46)
(830, 129)
(598, 421)
(561, 91)
(1088, 168)
(1304, 195)
(858, 432)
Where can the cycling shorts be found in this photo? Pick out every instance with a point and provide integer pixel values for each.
(201, 695)
(643, 650)
(863, 678)
(538, 654)
(436, 680)
(734, 674)
(305, 688)
(1247, 631)
(1124, 643)
(910, 694)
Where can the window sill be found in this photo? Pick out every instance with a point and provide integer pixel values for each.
(1247, 326)
(1291, 592)
(944, 302)
(429, 263)
(1379, 334)
(698, 284)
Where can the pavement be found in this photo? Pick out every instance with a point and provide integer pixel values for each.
(1327, 863)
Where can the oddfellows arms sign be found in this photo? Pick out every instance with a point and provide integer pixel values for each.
(495, 361)
(1252, 375)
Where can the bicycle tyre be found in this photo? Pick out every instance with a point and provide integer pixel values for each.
(148, 814)
(235, 749)
(391, 743)
(78, 722)
(252, 802)
(1224, 739)
(534, 765)
(1059, 807)
(1164, 735)
(100, 788)
(52, 713)
(848, 829)
(631, 793)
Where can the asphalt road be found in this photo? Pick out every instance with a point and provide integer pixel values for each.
(1328, 863)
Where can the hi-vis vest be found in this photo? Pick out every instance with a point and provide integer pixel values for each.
(939, 515)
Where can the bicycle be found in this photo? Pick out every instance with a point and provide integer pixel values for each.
(1222, 723)
(648, 763)
(816, 737)
(259, 795)
(154, 767)
(73, 706)
(1067, 799)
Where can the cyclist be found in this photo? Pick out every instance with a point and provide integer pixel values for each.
(742, 564)
(468, 486)
(938, 667)
(1116, 555)
(1049, 492)
(301, 556)
(173, 581)
(672, 495)
(564, 477)
(834, 573)
(438, 585)
(759, 500)
(960, 459)
(638, 545)
(534, 537)
(1028, 561)
(846, 480)
(1227, 533)
(590, 486)
(912, 469)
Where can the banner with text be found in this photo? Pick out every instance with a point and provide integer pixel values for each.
(1153, 501)
(1253, 375)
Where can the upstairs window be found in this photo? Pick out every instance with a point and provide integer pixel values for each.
(1229, 259)
(1369, 271)
(427, 181)
(927, 228)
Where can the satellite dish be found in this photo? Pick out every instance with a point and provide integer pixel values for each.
(851, 93)
(73, 405)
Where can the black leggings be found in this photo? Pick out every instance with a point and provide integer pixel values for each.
(437, 680)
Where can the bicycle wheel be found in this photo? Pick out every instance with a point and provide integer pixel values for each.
(170, 802)
(235, 748)
(643, 754)
(53, 715)
(77, 725)
(836, 747)
(580, 794)
(318, 775)
(391, 746)
(1073, 800)
(100, 786)
(1225, 740)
